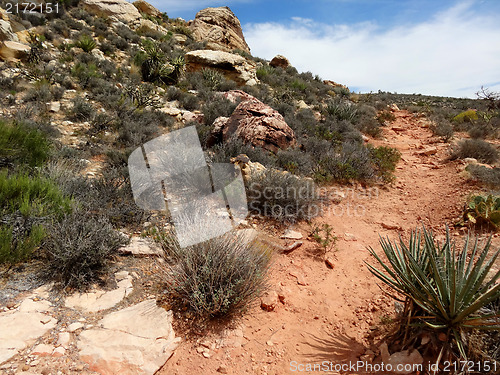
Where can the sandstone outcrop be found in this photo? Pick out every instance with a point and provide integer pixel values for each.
(146, 8)
(279, 61)
(234, 67)
(220, 28)
(257, 124)
(120, 9)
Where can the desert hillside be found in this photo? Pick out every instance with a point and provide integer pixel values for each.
(172, 204)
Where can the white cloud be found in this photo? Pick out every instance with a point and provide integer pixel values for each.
(452, 54)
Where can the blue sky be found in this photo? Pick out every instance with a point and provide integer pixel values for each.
(435, 47)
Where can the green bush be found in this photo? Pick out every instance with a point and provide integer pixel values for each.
(219, 277)
(477, 149)
(20, 145)
(446, 290)
(18, 244)
(466, 116)
(353, 161)
(385, 160)
(26, 202)
(283, 196)
(79, 248)
(31, 196)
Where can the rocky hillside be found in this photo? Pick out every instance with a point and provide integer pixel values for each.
(85, 83)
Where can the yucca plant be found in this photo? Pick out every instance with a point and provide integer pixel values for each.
(86, 43)
(445, 289)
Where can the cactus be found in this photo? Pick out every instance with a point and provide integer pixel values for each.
(483, 209)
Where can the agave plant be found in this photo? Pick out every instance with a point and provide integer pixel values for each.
(483, 209)
(86, 43)
(448, 288)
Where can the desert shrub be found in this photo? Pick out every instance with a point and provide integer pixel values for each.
(366, 121)
(445, 289)
(86, 43)
(156, 66)
(213, 78)
(26, 202)
(118, 41)
(100, 25)
(485, 175)
(385, 116)
(21, 145)
(18, 243)
(295, 161)
(80, 14)
(126, 33)
(184, 30)
(189, 101)
(82, 110)
(216, 108)
(79, 248)
(483, 210)
(353, 161)
(466, 116)
(85, 73)
(40, 92)
(224, 151)
(283, 196)
(107, 48)
(385, 160)
(477, 149)
(443, 129)
(31, 195)
(137, 127)
(342, 110)
(142, 95)
(482, 129)
(217, 278)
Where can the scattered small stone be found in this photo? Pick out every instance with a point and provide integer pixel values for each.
(54, 106)
(43, 349)
(270, 343)
(350, 237)
(292, 235)
(269, 300)
(59, 352)
(64, 339)
(390, 226)
(292, 247)
(75, 326)
(206, 354)
(222, 369)
(428, 152)
(330, 262)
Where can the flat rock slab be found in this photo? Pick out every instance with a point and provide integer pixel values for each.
(136, 340)
(102, 300)
(20, 329)
(292, 235)
(141, 247)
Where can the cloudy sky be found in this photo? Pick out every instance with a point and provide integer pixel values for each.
(434, 47)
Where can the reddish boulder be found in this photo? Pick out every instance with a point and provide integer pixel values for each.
(255, 123)
(280, 61)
